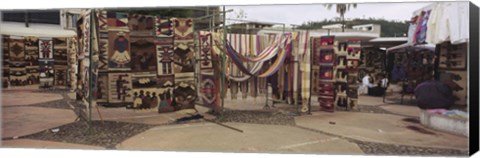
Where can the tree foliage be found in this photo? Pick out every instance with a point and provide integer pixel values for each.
(389, 28)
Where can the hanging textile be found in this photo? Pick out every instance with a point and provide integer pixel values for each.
(323, 55)
(272, 69)
(5, 61)
(305, 66)
(17, 64)
(183, 48)
(31, 59)
(209, 82)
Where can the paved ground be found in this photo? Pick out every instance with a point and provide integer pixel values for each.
(340, 132)
(382, 128)
(22, 143)
(21, 121)
(17, 96)
(204, 137)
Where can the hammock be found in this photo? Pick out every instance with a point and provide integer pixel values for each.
(257, 67)
(272, 69)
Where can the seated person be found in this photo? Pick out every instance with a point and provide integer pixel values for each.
(379, 90)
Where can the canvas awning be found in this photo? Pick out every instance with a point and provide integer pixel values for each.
(36, 30)
(407, 46)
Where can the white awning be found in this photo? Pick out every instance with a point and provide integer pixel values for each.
(36, 30)
(389, 39)
(407, 46)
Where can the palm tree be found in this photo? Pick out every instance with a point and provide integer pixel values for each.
(342, 8)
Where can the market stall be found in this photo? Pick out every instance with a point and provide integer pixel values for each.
(37, 54)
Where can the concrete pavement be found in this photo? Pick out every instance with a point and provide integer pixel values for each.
(27, 97)
(381, 128)
(29, 143)
(257, 138)
(202, 136)
(21, 121)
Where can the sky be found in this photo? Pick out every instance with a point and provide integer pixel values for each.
(298, 14)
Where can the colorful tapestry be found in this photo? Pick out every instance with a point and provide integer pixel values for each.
(209, 91)
(5, 61)
(31, 51)
(166, 84)
(323, 61)
(72, 62)
(353, 64)
(86, 32)
(84, 82)
(183, 45)
(17, 63)
(46, 48)
(341, 99)
(31, 59)
(119, 51)
(183, 59)
(304, 52)
(117, 20)
(373, 61)
(164, 59)
(143, 54)
(205, 40)
(60, 77)
(103, 41)
(120, 88)
(452, 57)
(60, 51)
(101, 93)
(163, 27)
(141, 25)
(17, 48)
(46, 76)
(325, 73)
(102, 19)
(185, 91)
(146, 91)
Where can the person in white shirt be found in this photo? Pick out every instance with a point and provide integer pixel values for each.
(363, 89)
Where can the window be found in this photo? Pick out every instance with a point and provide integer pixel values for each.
(46, 17)
(71, 21)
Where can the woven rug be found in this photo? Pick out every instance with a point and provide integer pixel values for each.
(101, 93)
(205, 48)
(103, 41)
(119, 57)
(46, 72)
(141, 25)
(163, 27)
(117, 20)
(353, 64)
(210, 92)
(86, 32)
(31, 59)
(60, 51)
(17, 63)
(72, 61)
(323, 58)
(143, 54)
(146, 91)
(120, 88)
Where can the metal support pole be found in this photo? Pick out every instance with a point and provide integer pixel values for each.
(223, 60)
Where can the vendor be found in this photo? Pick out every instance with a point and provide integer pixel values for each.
(367, 82)
(379, 89)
